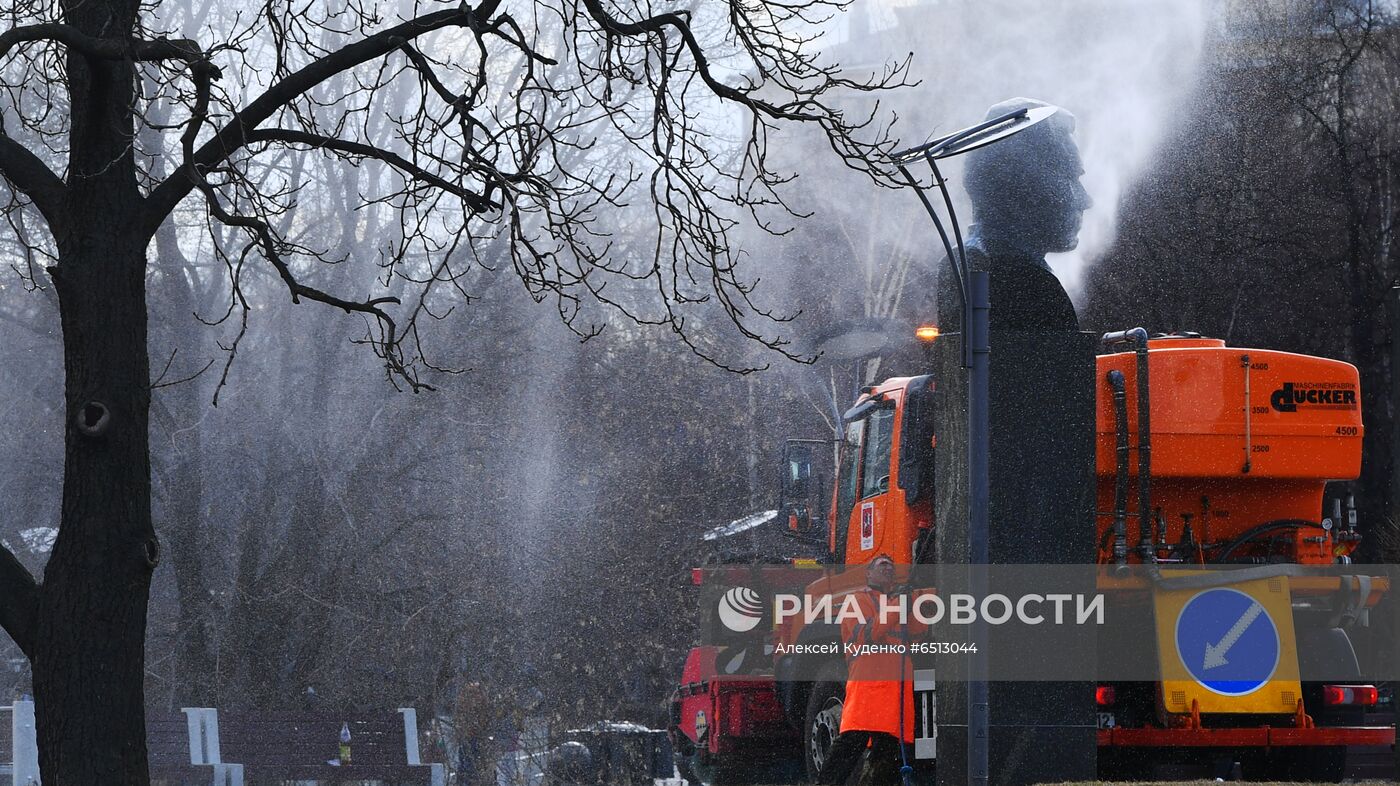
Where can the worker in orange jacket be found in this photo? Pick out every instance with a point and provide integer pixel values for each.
(879, 687)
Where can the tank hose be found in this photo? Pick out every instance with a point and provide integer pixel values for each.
(1137, 338)
(1144, 409)
(1119, 384)
(1269, 526)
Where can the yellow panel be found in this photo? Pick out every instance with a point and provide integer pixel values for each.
(1279, 694)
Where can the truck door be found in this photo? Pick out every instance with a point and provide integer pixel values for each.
(862, 504)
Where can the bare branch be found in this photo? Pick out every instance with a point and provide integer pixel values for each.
(476, 202)
(271, 248)
(19, 601)
(234, 134)
(659, 24)
(135, 49)
(28, 175)
(160, 381)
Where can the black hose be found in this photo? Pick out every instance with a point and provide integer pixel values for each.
(1144, 408)
(1205, 520)
(1262, 529)
(1138, 338)
(1120, 485)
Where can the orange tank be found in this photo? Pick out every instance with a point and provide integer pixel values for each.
(1239, 438)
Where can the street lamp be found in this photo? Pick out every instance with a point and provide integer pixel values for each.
(974, 289)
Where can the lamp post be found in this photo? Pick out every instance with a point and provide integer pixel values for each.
(974, 289)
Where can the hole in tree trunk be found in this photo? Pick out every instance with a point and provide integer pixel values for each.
(94, 418)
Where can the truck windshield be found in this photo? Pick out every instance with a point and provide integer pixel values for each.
(865, 462)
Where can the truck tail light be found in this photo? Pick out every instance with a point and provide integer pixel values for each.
(697, 576)
(1105, 695)
(1356, 695)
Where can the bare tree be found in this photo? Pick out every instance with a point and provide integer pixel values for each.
(1340, 80)
(478, 157)
(1275, 198)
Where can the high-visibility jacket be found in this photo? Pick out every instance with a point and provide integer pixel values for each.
(873, 679)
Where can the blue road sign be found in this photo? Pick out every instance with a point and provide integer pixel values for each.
(1227, 641)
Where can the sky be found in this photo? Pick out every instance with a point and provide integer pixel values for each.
(1122, 67)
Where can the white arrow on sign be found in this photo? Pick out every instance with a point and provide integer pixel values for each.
(1215, 654)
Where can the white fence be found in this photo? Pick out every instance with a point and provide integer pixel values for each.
(23, 770)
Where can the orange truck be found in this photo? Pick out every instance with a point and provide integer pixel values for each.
(1230, 450)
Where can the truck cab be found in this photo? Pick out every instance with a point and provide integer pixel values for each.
(882, 501)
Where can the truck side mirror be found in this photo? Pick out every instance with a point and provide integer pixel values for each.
(916, 441)
(802, 487)
(793, 502)
(797, 472)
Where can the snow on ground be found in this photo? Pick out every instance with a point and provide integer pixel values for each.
(741, 525)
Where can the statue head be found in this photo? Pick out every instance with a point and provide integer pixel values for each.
(1025, 189)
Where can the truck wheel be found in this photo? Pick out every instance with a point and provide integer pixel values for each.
(1329, 649)
(823, 720)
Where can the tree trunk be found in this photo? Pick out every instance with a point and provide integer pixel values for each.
(90, 646)
(196, 681)
(1367, 326)
(175, 411)
(89, 649)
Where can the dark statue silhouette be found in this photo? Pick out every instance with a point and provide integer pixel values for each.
(1027, 202)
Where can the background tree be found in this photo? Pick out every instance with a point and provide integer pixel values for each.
(487, 150)
(1275, 197)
